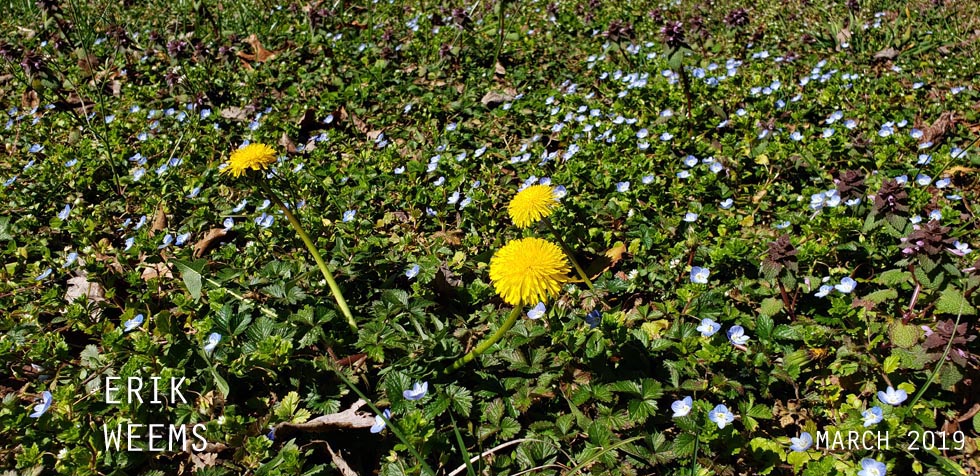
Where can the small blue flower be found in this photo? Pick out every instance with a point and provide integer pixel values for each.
(228, 223)
(801, 443)
(194, 192)
(824, 290)
(708, 327)
(943, 182)
(63, 214)
(41, 408)
(416, 392)
(167, 241)
(622, 186)
(923, 179)
(935, 215)
(453, 198)
(538, 311)
(716, 167)
(379, 423)
(265, 220)
(691, 217)
(593, 318)
(683, 174)
(846, 285)
(871, 416)
(240, 206)
(43, 275)
(892, 396)
(133, 323)
(647, 179)
(412, 272)
(349, 215)
(828, 132)
(182, 239)
(737, 335)
(682, 407)
(213, 339)
(726, 203)
(129, 243)
(36, 148)
(721, 416)
(699, 275)
(871, 467)
(70, 259)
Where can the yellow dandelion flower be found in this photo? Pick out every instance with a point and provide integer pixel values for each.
(253, 156)
(532, 204)
(528, 271)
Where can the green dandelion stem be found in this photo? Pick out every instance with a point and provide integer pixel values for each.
(480, 349)
(578, 267)
(316, 256)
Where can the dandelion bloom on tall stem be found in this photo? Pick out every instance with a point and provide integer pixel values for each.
(253, 156)
(528, 270)
(532, 204)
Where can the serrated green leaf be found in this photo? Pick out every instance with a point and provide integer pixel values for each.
(894, 277)
(951, 301)
(764, 325)
(770, 306)
(881, 296)
(891, 363)
(903, 335)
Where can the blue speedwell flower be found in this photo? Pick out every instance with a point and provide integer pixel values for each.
(622, 186)
(801, 443)
(846, 285)
(871, 416)
(379, 423)
(412, 272)
(537, 312)
(682, 407)
(708, 327)
(699, 275)
(871, 467)
(721, 416)
(133, 323)
(42, 407)
(737, 335)
(212, 342)
(417, 391)
(63, 214)
(892, 396)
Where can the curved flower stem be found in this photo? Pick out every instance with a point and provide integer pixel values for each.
(316, 256)
(578, 267)
(480, 349)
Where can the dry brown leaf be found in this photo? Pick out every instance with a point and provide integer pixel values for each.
(29, 100)
(360, 125)
(261, 54)
(159, 220)
(208, 241)
(493, 99)
(234, 113)
(287, 143)
(935, 132)
(452, 237)
(156, 270)
(616, 253)
(499, 69)
(80, 286)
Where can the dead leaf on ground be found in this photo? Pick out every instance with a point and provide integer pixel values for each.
(288, 144)
(261, 54)
(159, 220)
(606, 261)
(234, 113)
(935, 132)
(451, 237)
(498, 69)
(29, 100)
(493, 99)
(210, 238)
(156, 270)
(886, 54)
(80, 286)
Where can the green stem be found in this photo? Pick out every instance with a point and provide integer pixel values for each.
(942, 360)
(578, 267)
(480, 349)
(316, 256)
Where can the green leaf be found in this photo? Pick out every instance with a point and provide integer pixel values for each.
(764, 325)
(190, 272)
(882, 295)
(770, 306)
(220, 383)
(891, 364)
(894, 277)
(951, 301)
(903, 335)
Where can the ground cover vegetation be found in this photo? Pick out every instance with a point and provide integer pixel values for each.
(482, 237)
